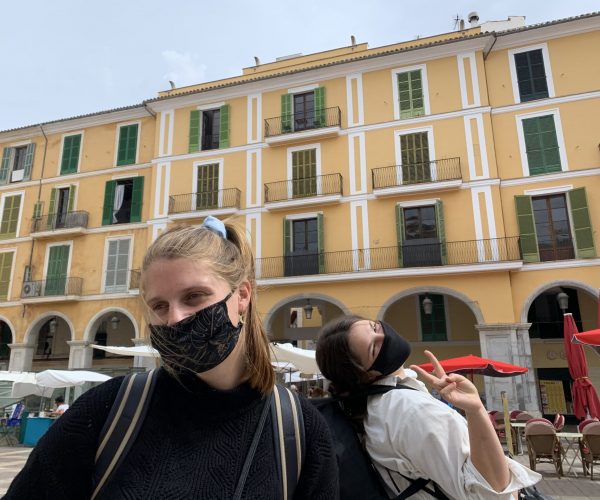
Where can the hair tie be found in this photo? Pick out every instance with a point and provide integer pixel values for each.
(215, 225)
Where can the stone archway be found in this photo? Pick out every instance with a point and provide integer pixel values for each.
(6, 341)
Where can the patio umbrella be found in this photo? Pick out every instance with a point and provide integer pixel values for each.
(591, 337)
(474, 365)
(49, 380)
(303, 359)
(585, 398)
(138, 350)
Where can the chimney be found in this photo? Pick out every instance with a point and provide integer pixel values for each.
(473, 19)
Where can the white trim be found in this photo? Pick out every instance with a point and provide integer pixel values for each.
(550, 190)
(162, 150)
(161, 133)
(68, 243)
(123, 176)
(110, 296)
(418, 188)
(559, 138)
(117, 227)
(550, 101)
(317, 147)
(137, 145)
(200, 214)
(62, 145)
(485, 169)
(105, 260)
(195, 165)
(302, 216)
(362, 162)
(482, 182)
(161, 168)
(491, 222)
(305, 88)
(359, 99)
(12, 271)
(561, 264)
(19, 143)
(156, 227)
(513, 69)
(254, 130)
(395, 72)
(210, 106)
(171, 131)
(302, 202)
(418, 203)
(303, 135)
(430, 145)
(257, 240)
(354, 205)
(83, 175)
(460, 58)
(254, 181)
(556, 176)
(21, 205)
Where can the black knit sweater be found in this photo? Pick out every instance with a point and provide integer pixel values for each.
(192, 445)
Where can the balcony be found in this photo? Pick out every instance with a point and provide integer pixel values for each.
(437, 175)
(559, 247)
(318, 190)
(295, 127)
(52, 290)
(411, 255)
(49, 225)
(216, 202)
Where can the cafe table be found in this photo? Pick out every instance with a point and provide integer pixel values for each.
(35, 429)
(518, 426)
(571, 440)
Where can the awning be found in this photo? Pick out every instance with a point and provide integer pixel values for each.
(45, 382)
(303, 359)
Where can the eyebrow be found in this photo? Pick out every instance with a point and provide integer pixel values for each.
(205, 288)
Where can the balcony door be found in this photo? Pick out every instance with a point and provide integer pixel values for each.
(422, 244)
(56, 275)
(415, 158)
(304, 111)
(62, 207)
(552, 227)
(304, 257)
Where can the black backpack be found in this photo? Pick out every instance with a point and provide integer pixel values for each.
(359, 479)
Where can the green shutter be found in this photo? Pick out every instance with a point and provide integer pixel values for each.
(224, 126)
(400, 233)
(321, 243)
(56, 273)
(6, 259)
(541, 145)
(71, 203)
(52, 210)
(10, 216)
(582, 225)
(194, 139)
(137, 194)
(286, 113)
(127, 144)
(109, 200)
(287, 237)
(410, 94)
(28, 163)
(5, 167)
(441, 230)
(37, 209)
(70, 155)
(526, 222)
(320, 110)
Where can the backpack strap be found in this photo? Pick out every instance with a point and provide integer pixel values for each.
(288, 433)
(122, 425)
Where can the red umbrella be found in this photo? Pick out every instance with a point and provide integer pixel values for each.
(585, 398)
(474, 365)
(591, 337)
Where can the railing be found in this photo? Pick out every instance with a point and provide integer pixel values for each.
(445, 169)
(298, 122)
(52, 222)
(205, 200)
(320, 185)
(409, 255)
(52, 287)
(556, 249)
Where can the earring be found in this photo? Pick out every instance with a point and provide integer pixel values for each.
(242, 319)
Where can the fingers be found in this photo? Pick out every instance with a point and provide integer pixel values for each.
(424, 375)
(437, 368)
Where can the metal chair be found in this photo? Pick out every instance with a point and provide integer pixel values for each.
(543, 446)
(9, 427)
(589, 446)
(559, 422)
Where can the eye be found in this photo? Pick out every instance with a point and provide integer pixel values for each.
(158, 307)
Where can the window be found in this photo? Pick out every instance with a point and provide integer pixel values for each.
(123, 201)
(6, 260)
(209, 129)
(541, 145)
(555, 226)
(117, 265)
(10, 216)
(416, 166)
(303, 244)
(410, 94)
(531, 75)
(303, 111)
(304, 173)
(127, 149)
(207, 187)
(421, 235)
(56, 273)
(16, 163)
(433, 326)
(70, 154)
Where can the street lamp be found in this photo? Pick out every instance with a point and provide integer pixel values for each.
(427, 305)
(308, 309)
(563, 301)
(114, 322)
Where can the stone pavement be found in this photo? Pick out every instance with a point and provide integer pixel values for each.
(568, 487)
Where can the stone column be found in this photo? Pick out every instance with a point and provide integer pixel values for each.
(21, 357)
(146, 362)
(509, 342)
(80, 355)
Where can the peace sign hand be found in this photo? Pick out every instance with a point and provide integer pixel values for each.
(454, 388)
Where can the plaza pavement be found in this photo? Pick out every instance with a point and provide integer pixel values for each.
(569, 487)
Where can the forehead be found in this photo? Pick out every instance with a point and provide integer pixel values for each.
(169, 275)
(359, 336)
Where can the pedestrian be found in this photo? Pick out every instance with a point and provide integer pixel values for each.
(408, 433)
(198, 286)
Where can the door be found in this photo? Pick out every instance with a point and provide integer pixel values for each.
(56, 276)
(207, 188)
(422, 246)
(415, 158)
(304, 111)
(304, 258)
(62, 207)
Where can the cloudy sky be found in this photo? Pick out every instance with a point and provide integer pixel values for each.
(63, 58)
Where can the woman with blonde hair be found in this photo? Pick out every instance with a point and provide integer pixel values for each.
(198, 285)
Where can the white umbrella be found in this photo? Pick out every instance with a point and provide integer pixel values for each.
(138, 350)
(28, 377)
(53, 379)
(303, 359)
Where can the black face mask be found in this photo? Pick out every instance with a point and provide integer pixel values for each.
(394, 351)
(197, 343)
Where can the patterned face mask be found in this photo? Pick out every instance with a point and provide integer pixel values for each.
(198, 343)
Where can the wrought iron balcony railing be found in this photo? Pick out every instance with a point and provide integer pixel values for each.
(307, 187)
(206, 200)
(53, 222)
(445, 169)
(301, 121)
(52, 287)
(410, 254)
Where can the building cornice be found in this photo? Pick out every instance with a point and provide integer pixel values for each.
(561, 264)
(559, 176)
(541, 103)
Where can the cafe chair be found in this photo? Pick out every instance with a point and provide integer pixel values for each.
(10, 427)
(543, 446)
(514, 413)
(589, 446)
(559, 422)
(585, 422)
(523, 417)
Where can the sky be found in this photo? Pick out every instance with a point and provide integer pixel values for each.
(64, 58)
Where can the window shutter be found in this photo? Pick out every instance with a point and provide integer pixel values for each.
(410, 94)
(549, 143)
(10, 216)
(224, 126)
(6, 259)
(136, 199)
(287, 237)
(321, 243)
(51, 210)
(109, 200)
(400, 233)
(5, 167)
(541, 145)
(37, 209)
(28, 161)
(582, 225)
(194, 142)
(286, 113)
(127, 144)
(71, 203)
(70, 157)
(526, 222)
(441, 230)
(320, 112)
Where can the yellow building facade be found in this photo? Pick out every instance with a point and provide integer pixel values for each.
(449, 186)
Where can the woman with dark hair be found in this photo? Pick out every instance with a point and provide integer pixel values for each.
(408, 433)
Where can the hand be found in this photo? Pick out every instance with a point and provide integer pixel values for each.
(454, 388)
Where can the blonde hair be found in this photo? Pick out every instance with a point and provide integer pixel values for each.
(232, 260)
